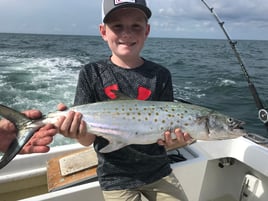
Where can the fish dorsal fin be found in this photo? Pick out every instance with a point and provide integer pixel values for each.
(121, 96)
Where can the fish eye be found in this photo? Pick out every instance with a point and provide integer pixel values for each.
(230, 120)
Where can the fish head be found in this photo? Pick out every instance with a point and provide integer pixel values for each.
(224, 127)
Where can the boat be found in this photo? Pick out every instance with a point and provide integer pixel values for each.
(223, 170)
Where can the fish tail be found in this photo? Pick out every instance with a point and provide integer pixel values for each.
(23, 133)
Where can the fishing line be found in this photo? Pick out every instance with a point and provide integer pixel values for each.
(262, 112)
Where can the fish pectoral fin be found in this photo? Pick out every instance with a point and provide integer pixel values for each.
(113, 146)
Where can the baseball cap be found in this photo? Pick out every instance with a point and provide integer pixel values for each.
(108, 6)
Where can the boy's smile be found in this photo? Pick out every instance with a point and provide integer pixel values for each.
(127, 43)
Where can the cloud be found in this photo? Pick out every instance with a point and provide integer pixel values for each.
(190, 17)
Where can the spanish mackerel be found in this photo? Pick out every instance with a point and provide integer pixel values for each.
(125, 122)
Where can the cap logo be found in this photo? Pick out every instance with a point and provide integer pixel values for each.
(116, 2)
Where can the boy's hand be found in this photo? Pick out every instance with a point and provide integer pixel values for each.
(182, 139)
(72, 126)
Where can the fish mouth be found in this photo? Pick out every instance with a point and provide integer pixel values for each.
(238, 129)
(238, 125)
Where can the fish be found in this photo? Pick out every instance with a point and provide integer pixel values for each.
(126, 122)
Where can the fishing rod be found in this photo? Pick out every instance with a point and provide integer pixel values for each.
(262, 112)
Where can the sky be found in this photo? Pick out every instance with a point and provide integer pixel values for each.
(244, 19)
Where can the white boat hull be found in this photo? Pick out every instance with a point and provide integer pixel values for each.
(213, 171)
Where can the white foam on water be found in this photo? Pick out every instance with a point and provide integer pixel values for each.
(40, 82)
(226, 82)
(55, 62)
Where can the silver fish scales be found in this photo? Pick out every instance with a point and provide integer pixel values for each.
(127, 122)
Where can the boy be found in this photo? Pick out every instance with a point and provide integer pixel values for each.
(135, 170)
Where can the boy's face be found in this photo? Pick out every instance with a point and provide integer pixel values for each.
(125, 32)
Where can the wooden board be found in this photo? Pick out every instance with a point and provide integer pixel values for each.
(55, 179)
(78, 161)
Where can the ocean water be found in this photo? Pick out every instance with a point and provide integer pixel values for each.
(40, 71)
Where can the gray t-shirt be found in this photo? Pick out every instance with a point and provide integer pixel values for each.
(133, 165)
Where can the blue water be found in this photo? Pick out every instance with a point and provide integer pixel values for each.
(40, 71)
